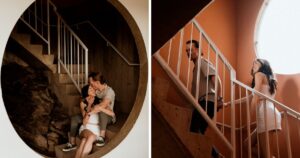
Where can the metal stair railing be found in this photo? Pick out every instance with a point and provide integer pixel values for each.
(269, 104)
(180, 72)
(178, 68)
(72, 52)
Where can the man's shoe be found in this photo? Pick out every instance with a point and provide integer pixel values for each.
(69, 147)
(100, 141)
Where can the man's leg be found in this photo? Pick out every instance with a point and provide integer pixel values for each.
(210, 112)
(104, 121)
(76, 120)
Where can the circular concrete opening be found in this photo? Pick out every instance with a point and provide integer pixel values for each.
(277, 35)
(129, 82)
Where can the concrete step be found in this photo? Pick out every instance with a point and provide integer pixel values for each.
(26, 38)
(34, 49)
(65, 78)
(179, 119)
(74, 68)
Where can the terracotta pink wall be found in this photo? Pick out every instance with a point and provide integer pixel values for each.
(288, 85)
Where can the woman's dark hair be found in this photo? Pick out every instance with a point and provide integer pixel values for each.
(267, 70)
(85, 93)
(96, 76)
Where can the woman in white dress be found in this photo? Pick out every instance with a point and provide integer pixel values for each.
(264, 82)
(90, 128)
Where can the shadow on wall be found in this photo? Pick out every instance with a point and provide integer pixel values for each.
(290, 94)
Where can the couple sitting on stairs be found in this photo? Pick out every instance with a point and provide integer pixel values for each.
(263, 81)
(96, 113)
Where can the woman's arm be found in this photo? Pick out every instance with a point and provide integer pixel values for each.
(258, 83)
(241, 100)
(82, 108)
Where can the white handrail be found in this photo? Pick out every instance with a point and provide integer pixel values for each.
(108, 42)
(290, 111)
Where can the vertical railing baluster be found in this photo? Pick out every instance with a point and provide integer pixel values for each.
(223, 109)
(241, 122)
(35, 16)
(216, 87)
(232, 109)
(48, 26)
(71, 55)
(248, 125)
(276, 131)
(65, 50)
(86, 66)
(189, 62)
(207, 75)
(198, 67)
(180, 52)
(170, 48)
(42, 19)
(288, 138)
(82, 66)
(78, 57)
(266, 128)
(58, 44)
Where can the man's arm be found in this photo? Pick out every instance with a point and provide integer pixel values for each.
(219, 90)
(98, 108)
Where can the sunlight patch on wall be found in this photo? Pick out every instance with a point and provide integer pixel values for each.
(278, 36)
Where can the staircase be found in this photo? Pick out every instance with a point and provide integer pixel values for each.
(178, 118)
(233, 124)
(63, 86)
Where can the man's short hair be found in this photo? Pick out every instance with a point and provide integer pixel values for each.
(96, 76)
(195, 42)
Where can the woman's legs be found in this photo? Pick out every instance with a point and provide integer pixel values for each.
(254, 151)
(263, 144)
(86, 143)
(90, 138)
(80, 149)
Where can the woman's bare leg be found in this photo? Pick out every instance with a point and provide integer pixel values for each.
(253, 143)
(272, 144)
(80, 149)
(88, 144)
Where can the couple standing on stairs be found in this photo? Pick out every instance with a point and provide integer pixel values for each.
(263, 81)
(96, 113)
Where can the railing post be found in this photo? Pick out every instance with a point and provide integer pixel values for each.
(180, 52)
(48, 25)
(248, 125)
(216, 86)
(189, 62)
(86, 66)
(58, 44)
(266, 128)
(232, 109)
(289, 148)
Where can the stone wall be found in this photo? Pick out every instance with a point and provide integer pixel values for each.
(33, 108)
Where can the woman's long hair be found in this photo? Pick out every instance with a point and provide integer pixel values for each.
(267, 70)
